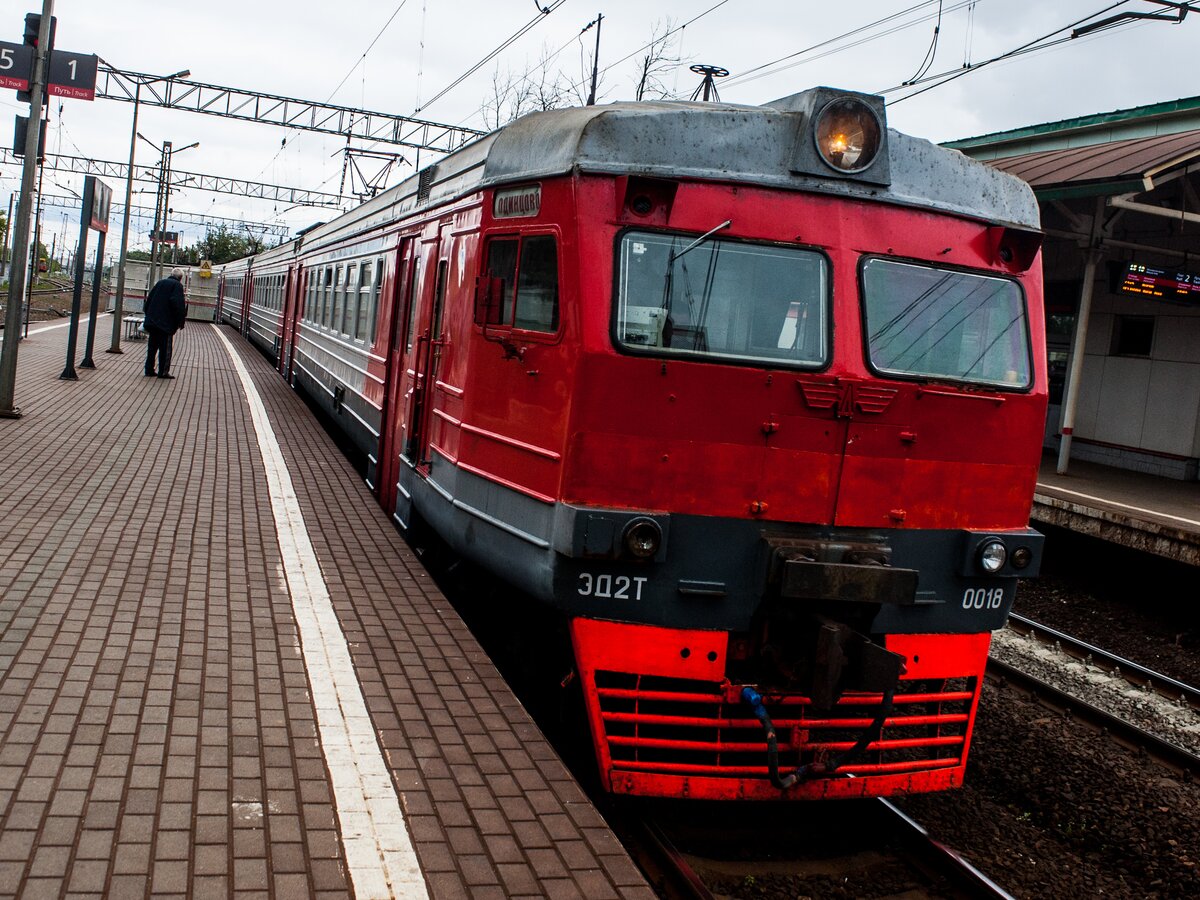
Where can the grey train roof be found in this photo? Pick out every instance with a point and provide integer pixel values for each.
(709, 141)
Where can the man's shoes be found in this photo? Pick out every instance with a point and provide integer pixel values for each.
(166, 376)
(149, 374)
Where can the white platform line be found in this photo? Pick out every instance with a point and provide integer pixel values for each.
(379, 852)
(82, 322)
(1149, 512)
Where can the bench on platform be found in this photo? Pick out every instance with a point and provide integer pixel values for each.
(133, 328)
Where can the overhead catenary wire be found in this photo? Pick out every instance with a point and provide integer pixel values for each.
(333, 93)
(931, 53)
(629, 56)
(515, 36)
(1028, 47)
(773, 68)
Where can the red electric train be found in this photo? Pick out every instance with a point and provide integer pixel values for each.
(753, 396)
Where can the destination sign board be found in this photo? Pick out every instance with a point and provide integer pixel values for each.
(1161, 284)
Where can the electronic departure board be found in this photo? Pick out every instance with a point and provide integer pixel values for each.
(1165, 284)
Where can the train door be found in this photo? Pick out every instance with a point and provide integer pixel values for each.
(427, 353)
(293, 309)
(391, 433)
(247, 295)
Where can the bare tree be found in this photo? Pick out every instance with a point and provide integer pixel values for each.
(513, 95)
(661, 58)
(506, 101)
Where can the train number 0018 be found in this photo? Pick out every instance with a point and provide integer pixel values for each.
(610, 587)
(983, 598)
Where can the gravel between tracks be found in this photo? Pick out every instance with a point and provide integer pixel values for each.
(1051, 809)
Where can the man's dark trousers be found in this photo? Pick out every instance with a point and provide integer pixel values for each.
(158, 342)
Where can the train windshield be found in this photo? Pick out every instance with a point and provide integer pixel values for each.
(725, 299)
(936, 323)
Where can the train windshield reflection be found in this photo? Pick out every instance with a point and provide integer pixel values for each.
(939, 323)
(724, 299)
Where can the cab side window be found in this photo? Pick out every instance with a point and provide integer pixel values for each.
(537, 285)
(528, 267)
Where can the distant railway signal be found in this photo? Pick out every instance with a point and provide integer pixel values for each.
(33, 25)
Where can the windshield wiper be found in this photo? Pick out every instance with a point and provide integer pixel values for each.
(698, 241)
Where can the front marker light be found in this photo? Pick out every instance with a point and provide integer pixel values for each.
(992, 556)
(642, 538)
(848, 135)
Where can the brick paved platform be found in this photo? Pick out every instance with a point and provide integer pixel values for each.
(161, 728)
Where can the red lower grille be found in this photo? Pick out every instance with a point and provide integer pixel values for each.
(665, 721)
(654, 724)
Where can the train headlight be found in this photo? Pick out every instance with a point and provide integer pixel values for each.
(848, 135)
(1022, 557)
(992, 556)
(642, 538)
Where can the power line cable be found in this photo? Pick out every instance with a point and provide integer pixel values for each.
(1028, 47)
(745, 75)
(626, 58)
(519, 33)
(358, 62)
(931, 53)
(764, 71)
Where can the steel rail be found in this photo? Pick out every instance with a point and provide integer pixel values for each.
(659, 857)
(1125, 733)
(1134, 672)
(938, 858)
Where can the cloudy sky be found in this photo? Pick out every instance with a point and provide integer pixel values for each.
(314, 50)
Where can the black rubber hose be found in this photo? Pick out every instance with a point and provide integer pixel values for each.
(803, 773)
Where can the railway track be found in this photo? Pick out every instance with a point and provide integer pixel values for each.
(1110, 662)
(1127, 733)
(674, 872)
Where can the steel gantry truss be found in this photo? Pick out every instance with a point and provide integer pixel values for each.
(280, 231)
(270, 109)
(292, 196)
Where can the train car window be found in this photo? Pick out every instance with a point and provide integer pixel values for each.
(376, 287)
(502, 263)
(361, 326)
(722, 299)
(339, 299)
(537, 285)
(938, 323)
(327, 298)
(346, 325)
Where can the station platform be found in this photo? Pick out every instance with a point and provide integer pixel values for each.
(223, 673)
(1145, 512)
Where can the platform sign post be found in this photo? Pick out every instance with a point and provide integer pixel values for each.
(16, 283)
(97, 215)
(69, 373)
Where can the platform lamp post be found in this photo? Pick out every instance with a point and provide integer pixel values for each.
(166, 208)
(162, 203)
(119, 297)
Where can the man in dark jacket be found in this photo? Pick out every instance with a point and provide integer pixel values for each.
(166, 309)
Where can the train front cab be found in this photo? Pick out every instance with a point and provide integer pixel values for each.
(840, 403)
